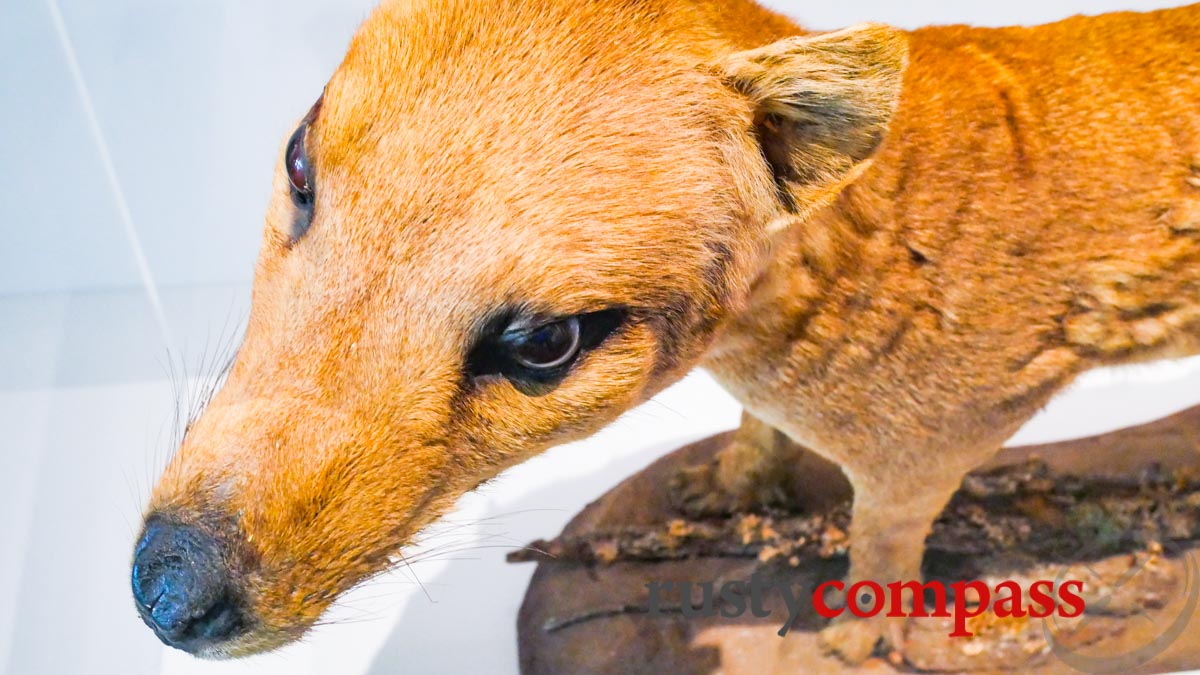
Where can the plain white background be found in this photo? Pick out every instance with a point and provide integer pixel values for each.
(137, 139)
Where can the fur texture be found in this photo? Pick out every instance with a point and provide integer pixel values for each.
(892, 247)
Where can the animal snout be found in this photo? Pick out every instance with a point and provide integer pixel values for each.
(182, 587)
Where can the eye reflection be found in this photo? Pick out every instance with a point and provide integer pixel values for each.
(298, 172)
(298, 168)
(536, 353)
(545, 347)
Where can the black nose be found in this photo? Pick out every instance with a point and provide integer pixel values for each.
(182, 589)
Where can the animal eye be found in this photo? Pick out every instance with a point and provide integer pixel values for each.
(545, 347)
(536, 354)
(298, 171)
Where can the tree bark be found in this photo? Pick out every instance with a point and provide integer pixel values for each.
(1120, 512)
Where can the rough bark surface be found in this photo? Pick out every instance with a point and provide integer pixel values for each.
(1120, 512)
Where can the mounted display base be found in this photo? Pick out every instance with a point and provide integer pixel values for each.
(1119, 512)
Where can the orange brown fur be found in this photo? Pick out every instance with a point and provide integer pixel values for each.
(897, 307)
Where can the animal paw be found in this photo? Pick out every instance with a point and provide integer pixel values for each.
(699, 492)
(694, 491)
(855, 640)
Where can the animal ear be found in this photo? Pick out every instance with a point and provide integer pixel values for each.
(822, 106)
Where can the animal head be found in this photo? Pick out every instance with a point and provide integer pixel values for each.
(502, 226)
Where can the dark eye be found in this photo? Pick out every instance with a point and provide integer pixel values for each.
(545, 347)
(535, 354)
(298, 171)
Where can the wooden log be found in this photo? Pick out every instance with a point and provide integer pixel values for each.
(1120, 512)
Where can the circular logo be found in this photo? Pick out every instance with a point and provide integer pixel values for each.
(1125, 661)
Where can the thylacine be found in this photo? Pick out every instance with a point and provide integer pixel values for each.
(506, 223)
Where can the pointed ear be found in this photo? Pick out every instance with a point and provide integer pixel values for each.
(822, 106)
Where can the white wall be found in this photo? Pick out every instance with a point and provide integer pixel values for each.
(137, 139)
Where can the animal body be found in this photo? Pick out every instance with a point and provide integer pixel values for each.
(506, 223)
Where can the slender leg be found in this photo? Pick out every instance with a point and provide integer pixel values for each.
(891, 519)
